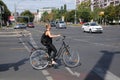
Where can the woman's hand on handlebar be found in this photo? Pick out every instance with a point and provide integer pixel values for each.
(58, 35)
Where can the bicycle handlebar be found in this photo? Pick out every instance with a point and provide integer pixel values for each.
(64, 36)
(61, 37)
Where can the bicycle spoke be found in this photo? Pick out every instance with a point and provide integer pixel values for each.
(71, 59)
(39, 59)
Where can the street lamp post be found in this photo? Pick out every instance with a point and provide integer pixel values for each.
(101, 14)
(0, 16)
(15, 13)
(92, 7)
(75, 21)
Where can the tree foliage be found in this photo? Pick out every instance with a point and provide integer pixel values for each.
(26, 16)
(110, 12)
(84, 13)
(56, 14)
(69, 16)
(45, 16)
(5, 13)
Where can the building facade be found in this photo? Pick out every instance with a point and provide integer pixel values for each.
(38, 16)
(104, 3)
(101, 3)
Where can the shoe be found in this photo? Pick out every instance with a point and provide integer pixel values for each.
(54, 63)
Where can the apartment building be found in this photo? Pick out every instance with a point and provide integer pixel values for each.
(104, 3)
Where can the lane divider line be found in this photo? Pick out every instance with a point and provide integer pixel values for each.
(72, 73)
(100, 44)
(106, 75)
(25, 45)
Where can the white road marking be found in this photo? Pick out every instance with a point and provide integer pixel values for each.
(45, 72)
(32, 41)
(72, 73)
(49, 78)
(9, 35)
(106, 75)
(100, 44)
(25, 45)
(7, 32)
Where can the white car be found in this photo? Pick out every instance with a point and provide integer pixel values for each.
(92, 27)
(61, 25)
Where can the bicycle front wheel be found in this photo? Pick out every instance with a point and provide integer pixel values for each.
(39, 59)
(71, 58)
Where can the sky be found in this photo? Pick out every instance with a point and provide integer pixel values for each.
(33, 5)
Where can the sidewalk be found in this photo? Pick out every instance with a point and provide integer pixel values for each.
(10, 32)
(6, 32)
(110, 25)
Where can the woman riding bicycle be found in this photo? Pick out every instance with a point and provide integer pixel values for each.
(46, 40)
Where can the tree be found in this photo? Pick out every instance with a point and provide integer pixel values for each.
(69, 16)
(117, 12)
(27, 16)
(84, 11)
(5, 13)
(44, 16)
(65, 8)
(56, 14)
(110, 13)
(51, 16)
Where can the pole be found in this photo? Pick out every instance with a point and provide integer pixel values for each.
(15, 13)
(1, 16)
(75, 12)
(92, 9)
(15, 10)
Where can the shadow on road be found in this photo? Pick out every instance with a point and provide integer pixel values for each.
(15, 66)
(102, 66)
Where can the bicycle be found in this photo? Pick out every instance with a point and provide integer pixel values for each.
(39, 58)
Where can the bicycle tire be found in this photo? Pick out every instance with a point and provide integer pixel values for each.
(70, 58)
(39, 59)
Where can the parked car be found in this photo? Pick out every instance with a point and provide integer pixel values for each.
(30, 25)
(53, 24)
(20, 26)
(92, 27)
(60, 25)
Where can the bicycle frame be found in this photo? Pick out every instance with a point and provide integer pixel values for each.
(40, 60)
(63, 47)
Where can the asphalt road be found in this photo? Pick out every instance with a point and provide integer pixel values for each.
(99, 54)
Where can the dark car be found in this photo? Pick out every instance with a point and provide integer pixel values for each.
(52, 24)
(30, 25)
(20, 26)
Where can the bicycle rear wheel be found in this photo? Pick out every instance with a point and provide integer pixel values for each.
(39, 59)
(71, 58)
